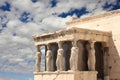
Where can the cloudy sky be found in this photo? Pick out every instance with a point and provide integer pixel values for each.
(20, 19)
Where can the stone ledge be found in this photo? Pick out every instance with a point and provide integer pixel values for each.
(66, 75)
(63, 72)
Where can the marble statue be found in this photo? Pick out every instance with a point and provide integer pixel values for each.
(48, 59)
(91, 56)
(74, 57)
(38, 61)
(60, 58)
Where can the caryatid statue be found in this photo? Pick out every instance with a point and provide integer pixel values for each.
(60, 58)
(91, 56)
(74, 56)
(48, 58)
(38, 59)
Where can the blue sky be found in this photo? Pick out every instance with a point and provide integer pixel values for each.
(15, 76)
(20, 19)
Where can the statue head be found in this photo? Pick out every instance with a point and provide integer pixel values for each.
(74, 43)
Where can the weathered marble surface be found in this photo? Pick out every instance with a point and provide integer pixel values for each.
(60, 60)
(63, 75)
(38, 61)
(48, 60)
(74, 56)
(91, 56)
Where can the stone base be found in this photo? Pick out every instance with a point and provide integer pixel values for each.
(66, 75)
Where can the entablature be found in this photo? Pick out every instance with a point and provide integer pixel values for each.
(72, 34)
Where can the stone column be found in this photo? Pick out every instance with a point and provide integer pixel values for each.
(106, 59)
(38, 59)
(91, 56)
(74, 56)
(48, 58)
(60, 58)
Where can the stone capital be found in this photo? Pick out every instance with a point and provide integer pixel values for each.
(60, 44)
(48, 46)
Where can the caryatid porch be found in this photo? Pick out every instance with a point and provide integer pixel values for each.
(74, 50)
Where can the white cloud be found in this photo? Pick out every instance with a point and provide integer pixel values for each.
(22, 5)
(17, 50)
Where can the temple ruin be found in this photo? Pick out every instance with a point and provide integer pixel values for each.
(88, 49)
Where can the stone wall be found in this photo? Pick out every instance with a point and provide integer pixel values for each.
(85, 75)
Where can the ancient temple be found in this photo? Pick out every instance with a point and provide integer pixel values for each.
(88, 49)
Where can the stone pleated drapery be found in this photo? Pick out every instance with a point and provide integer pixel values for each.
(38, 59)
(48, 58)
(60, 58)
(74, 56)
(91, 56)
